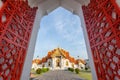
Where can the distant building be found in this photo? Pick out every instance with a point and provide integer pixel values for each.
(58, 59)
(35, 63)
(87, 64)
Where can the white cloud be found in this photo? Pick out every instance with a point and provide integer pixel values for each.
(69, 33)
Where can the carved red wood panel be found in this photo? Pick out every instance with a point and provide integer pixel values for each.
(16, 22)
(102, 19)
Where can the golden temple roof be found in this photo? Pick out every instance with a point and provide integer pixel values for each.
(58, 52)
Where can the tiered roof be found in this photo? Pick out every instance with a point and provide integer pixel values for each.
(63, 52)
(58, 51)
(37, 61)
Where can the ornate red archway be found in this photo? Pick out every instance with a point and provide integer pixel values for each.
(16, 22)
(102, 19)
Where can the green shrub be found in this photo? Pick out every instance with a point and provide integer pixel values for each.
(45, 69)
(77, 71)
(71, 69)
(38, 71)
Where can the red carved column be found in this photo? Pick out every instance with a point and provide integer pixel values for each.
(102, 19)
(16, 22)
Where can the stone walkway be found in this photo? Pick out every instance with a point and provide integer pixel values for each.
(59, 75)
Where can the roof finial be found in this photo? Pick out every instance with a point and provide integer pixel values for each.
(78, 57)
(37, 56)
(58, 47)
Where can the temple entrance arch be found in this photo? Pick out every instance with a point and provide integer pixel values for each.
(101, 32)
(44, 10)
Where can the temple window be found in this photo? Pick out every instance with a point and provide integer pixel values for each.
(49, 63)
(67, 63)
(73, 65)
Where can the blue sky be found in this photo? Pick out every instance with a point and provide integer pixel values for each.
(61, 29)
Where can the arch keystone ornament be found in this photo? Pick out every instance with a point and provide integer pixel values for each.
(19, 25)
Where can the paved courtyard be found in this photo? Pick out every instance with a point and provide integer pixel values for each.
(58, 75)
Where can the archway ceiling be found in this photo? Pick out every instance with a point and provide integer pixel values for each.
(46, 6)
